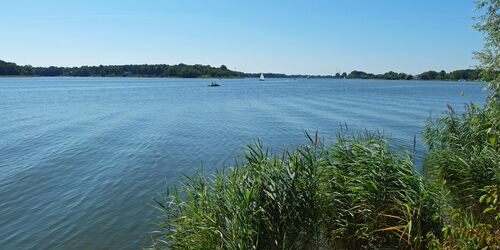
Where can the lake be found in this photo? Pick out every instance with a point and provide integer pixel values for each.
(81, 159)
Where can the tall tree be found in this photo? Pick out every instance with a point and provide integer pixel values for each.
(489, 24)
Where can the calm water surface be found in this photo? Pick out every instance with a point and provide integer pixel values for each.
(82, 158)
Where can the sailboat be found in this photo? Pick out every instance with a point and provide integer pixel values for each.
(261, 77)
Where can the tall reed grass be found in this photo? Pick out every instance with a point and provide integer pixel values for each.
(464, 163)
(356, 193)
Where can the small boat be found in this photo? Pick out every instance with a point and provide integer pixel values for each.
(213, 84)
(261, 77)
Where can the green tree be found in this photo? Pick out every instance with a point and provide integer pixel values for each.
(442, 75)
(489, 24)
(429, 75)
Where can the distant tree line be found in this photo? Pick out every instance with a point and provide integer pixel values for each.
(197, 71)
(8, 68)
(144, 70)
(391, 75)
(466, 74)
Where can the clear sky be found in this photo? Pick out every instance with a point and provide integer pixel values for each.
(293, 36)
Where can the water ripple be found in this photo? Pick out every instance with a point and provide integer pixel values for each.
(81, 158)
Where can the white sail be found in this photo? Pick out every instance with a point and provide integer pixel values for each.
(261, 77)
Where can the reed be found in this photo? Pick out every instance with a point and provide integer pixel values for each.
(464, 163)
(356, 193)
(374, 198)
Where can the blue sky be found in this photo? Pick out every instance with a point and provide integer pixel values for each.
(301, 36)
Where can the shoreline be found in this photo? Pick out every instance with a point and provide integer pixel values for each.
(220, 78)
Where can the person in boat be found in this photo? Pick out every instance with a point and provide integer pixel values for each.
(214, 84)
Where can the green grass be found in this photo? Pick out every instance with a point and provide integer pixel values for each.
(464, 164)
(464, 154)
(356, 193)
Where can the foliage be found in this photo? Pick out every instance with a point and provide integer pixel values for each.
(466, 74)
(489, 56)
(155, 70)
(269, 202)
(429, 75)
(464, 230)
(357, 193)
(194, 71)
(464, 153)
(360, 75)
(8, 68)
(374, 198)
